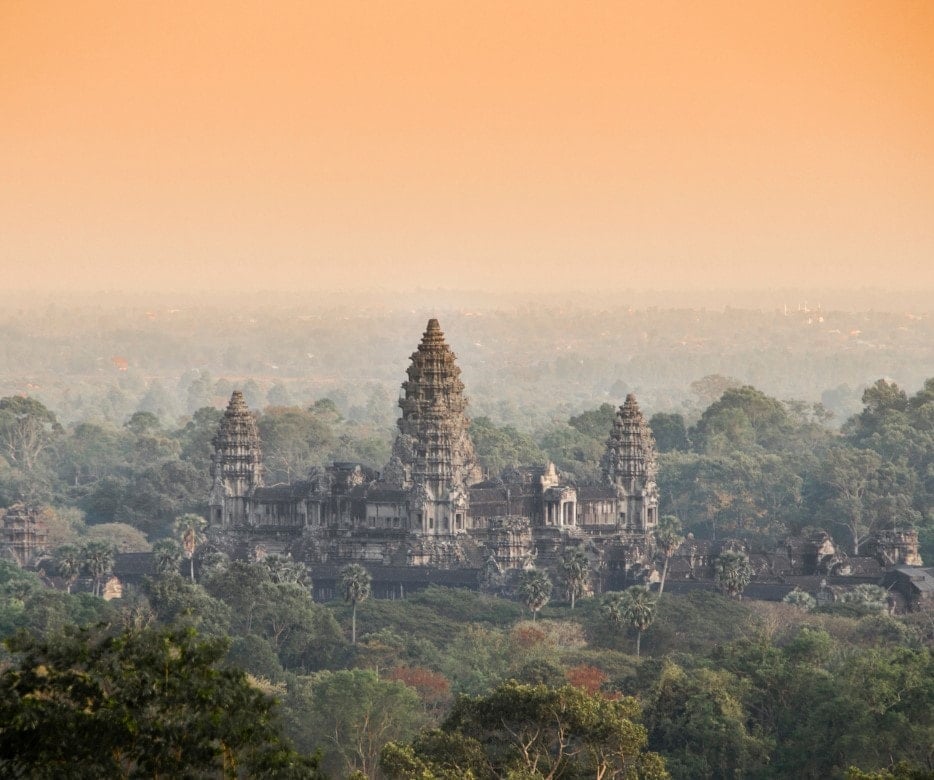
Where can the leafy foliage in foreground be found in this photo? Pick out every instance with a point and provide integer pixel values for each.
(531, 731)
(90, 704)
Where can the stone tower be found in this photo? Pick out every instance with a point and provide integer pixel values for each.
(433, 456)
(630, 465)
(236, 465)
(24, 534)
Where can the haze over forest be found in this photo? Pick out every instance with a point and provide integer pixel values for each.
(524, 363)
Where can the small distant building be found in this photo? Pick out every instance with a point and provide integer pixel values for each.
(913, 587)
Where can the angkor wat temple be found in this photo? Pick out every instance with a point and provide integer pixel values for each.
(429, 515)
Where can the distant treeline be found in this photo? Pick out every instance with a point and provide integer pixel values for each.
(524, 365)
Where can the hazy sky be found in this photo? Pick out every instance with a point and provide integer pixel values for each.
(533, 146)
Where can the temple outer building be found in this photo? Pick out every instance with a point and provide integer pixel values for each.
(429, 516)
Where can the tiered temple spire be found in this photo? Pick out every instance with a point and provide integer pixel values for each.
(630, 465)
(434, 448)
(630, 460)
(237, 462)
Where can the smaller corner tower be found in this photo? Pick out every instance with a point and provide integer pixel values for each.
(24, 534)
(236, 465)
(630, 465)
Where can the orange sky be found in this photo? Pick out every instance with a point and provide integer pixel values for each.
(525, 145)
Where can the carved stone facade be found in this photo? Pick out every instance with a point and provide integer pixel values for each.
(430, 507)
(630, 465)
(24, 534)
(236, 466)
(433, 457)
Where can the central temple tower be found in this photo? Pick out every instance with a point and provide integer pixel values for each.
(236, 465)
(630, 465)
(433, 455)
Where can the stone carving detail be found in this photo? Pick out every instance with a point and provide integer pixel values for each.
(237, 463)
(630, 461)
(430, 508)
(24, 534)
(630, 465)
(433, 447)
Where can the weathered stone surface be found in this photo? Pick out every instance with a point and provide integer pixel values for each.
(430, 518)
(630, 464)
(430, 510)
(237, 464)
(24, 534)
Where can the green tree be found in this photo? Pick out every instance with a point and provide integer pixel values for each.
(575, 567)
(800, 600)
(669, 431)
(596, 423)
(190, 531)
(149, 498)
(633, 607)
(355, 584)
(178, 601)
(733, 572)
(574, 453)
(531, 731)
(294, 439)
(151, 703)
(696, 718)
(98, 562)
(167, 554)
(27, 429)
(742, 418)
(91, 452)
(143, 423)
(124, 537)
(843, 491)
(282, 569)
(351, 714)
(534, 589)
(304, 635)
(668, 537)
(150, 445)
(195, 438)
(68, 563)
(503, 447)
(866, 597)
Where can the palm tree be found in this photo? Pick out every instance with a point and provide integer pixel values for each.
(355, 582)
(190, 530)
(668, 538)
(167, 554)
(97, 561)
(534, 589)
(68, 560)
(634, 607)
(733, 572)
(575, 567)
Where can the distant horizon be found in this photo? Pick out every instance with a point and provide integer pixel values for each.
(762, 298)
